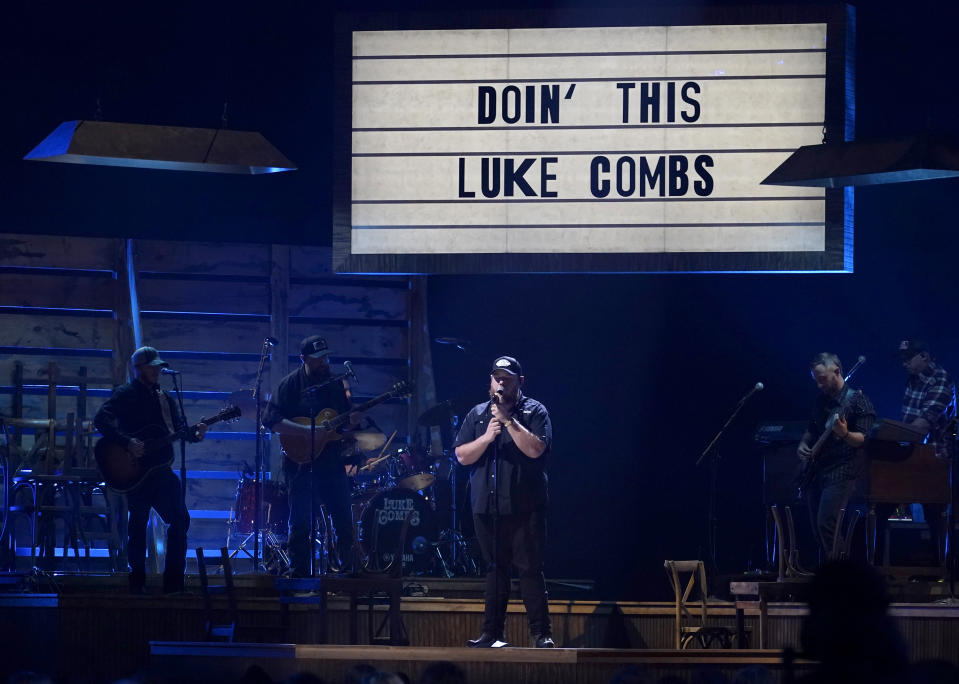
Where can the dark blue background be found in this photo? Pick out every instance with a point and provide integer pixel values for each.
(639, 371)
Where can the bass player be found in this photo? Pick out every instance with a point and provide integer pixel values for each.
(841, 419)
(137, 409)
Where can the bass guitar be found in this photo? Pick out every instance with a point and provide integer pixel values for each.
(297, 447)
(123, 472)
(810, 467)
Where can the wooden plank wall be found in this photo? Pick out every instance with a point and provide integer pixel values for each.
(208, 308)
(58, 298)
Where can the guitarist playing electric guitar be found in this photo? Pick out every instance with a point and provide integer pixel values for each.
(306, 392)
(832, 448)
(137, 408)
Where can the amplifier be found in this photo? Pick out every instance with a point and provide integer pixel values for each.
(778, 431)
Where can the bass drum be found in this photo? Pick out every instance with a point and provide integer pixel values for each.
(379, 522)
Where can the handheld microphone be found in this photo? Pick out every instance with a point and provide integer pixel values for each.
(169, 371)
(272, 341)
(350, 373)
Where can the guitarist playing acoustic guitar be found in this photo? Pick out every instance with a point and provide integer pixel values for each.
(136, 410)
(832, 450)
(310, 390)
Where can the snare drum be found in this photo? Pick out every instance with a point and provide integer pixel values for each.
(276, 507)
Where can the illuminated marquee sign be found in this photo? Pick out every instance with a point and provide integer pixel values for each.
(633, 148)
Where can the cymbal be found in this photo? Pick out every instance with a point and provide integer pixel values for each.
(441, 414)
(417, 482)
(369, 440)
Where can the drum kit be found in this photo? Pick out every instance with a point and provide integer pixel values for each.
(393, 485)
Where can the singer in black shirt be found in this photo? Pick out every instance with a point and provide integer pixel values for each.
(508, 438)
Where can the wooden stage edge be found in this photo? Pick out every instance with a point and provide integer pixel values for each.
(203, 661)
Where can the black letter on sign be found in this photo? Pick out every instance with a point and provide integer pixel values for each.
(530, 104)
(678, 182)
(511, 116)
(515, 177)
(625, 87)
(545, 176)
(653, 177)
(690, 86)
(703, 188)
(463, 191)
(649, 102)
(625, 171)
(486, 105)
(597, 187)
(550, 103)
(490, 182)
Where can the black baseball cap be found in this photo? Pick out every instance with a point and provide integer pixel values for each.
(508, 364)
(147, 356)
(909, 348)
(314, 346)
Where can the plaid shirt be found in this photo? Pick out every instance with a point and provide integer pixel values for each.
(839, 461)
(932, 395)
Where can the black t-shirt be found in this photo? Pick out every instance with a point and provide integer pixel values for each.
(289, 401)
(523, 480)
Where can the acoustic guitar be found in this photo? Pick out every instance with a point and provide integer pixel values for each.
(328, 423)
(123, 472)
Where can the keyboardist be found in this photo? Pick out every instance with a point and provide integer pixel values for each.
(929, 406)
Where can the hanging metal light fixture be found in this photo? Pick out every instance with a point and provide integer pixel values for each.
(174, 148)
(891, 160)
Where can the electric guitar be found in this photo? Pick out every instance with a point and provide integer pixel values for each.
(810, 467)
(124, 472)
(297, 447)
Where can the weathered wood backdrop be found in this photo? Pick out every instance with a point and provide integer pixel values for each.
(207, 308)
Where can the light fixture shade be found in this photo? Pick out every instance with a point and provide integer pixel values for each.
(894, 160)
(175, 148)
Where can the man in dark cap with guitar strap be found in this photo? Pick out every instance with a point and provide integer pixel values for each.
(137, 414)
(306, 391)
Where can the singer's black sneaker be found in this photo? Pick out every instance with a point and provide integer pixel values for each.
(543, 641)
(486, 640)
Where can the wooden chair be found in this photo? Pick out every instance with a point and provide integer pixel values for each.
(225, 631)
(842, 540)
(685, 577)
(787, 545)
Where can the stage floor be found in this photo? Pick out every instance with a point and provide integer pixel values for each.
(69, 625)
(228, 662)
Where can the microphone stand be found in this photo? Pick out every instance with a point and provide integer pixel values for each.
(258, 467)
(715, 457)
(309, 394)
(495, 558)
(179, 397)
(952, 561)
